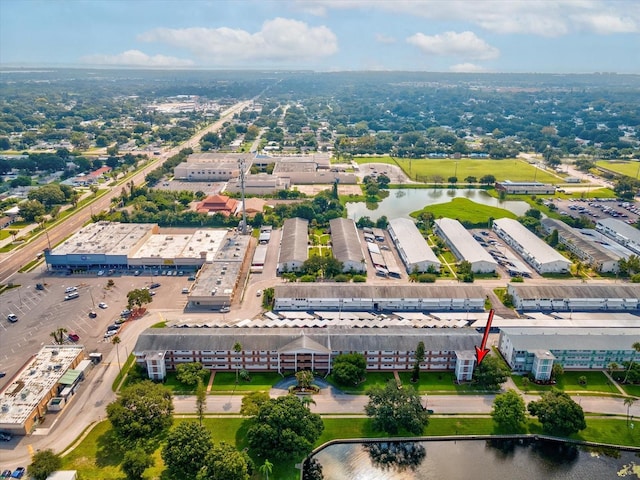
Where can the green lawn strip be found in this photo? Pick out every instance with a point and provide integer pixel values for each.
(123, 372)
(436, 382)
(597, 383)
(631, 389)
(373, 379)
(630, 169)
(260, 381)
(465, 211)
(383, 159)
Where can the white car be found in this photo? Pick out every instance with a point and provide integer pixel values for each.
(100, 273)
(110, 333)
(103, 305)
(71, 289)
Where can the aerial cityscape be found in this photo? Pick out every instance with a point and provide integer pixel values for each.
(319, 240)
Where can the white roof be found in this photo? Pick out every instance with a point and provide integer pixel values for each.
(412, 242)
(463, 241)
(621, 228)
(530, 243)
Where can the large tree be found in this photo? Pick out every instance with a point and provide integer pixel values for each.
(224, 462)
(186, 449)
(491, 373)
(43, 464)
(143, 410)
(138, 298)
(393, 409)
(31, 209)
(558, 413)
(252, 402)
(509, 411)
(419, 358)
(349, 368)
(190, 373)
(135, 462)
(284, 429)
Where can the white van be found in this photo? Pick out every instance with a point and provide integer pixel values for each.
(71, 296)
(71, 289)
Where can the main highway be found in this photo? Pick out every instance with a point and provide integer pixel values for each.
(20, 256)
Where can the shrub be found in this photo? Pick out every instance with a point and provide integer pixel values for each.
(359, 279)
(307, 278)
(341, 278)
(426, 278)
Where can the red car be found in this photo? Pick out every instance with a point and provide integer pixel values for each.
(74, 337)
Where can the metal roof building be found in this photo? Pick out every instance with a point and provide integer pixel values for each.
(598, 257)
(581, 297)
(293, 247)
(346, 244)
(534, 250)
(464, 246)
(348, 297)
(412, 247)
(621, 232)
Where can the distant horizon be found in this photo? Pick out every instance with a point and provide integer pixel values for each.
(456, 36)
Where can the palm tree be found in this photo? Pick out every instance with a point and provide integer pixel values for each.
(58, 335)
(266, 468)
(307, 400)
(115, 341)
(629, 401)
(636, 348)
(237, 347)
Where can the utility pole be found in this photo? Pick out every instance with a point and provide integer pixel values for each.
(241, 165)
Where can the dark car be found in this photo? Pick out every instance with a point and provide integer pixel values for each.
(13, 318)
(154, 285)
(39, 286)
(92, 314)
(5, 436)
(74, 337)
(18, 472)
(6, 474)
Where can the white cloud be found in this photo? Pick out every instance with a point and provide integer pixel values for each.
(549, 18)
(464, 44)
(466, 68)
(382, 38)
(136, 58)
(279, 39)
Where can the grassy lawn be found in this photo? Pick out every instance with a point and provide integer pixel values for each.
(436, 382)
(596, 382)
(630, 169)
(632, 389)
(384, 159)
(98, 457)
(373, 379)
(465, 210)
(226, 381)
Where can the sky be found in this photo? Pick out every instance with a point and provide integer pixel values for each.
(520, 36)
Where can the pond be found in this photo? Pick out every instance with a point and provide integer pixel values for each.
(403, 201)
(519, 459)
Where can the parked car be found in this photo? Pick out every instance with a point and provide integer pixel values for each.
(6, 436)
(100, 273)
(103, 305)
(110, 333)
(74, 337)
(92, 314)
(259, 293)
(136, 273)
(71, 296)
(154, 285)
(71, 289)
(13, 318)
(3, 374)
(18, 472)
(125, 313)
(39, 286)
(6, 474)
(225, 310)
(113, 328)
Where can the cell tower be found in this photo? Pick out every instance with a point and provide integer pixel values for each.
(241, 165)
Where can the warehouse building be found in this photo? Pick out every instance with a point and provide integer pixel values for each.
(349, 297)
(346, 246)
(534, 250)
(211, 167)
(621, 232)
(294, 249)
(536, 350)
(525, 188)
(412, 247)
(595, 255)
(464, 246)
(575, 298)
(288, 350)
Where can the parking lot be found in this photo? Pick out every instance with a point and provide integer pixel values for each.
(40, 312)
(599, 208)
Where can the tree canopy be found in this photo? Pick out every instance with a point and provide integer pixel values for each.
(491, 373)
(349, 368)
(509, 411)
(43, 464)
(558, 413)
(143, 410)
(191, 373)
(393, 409)
(224, 462)
(284, 429)
(186, 449)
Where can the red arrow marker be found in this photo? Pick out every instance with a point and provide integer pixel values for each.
(482, 351)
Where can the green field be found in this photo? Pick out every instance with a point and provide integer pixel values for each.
(424, 170)
(466, 211)
(630, 169)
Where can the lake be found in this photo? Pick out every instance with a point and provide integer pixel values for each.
(526, 459)
(403, 201)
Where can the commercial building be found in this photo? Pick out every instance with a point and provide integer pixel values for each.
(211, 167)
(575, 298)
(624, 234)
(595, 255)
(218, 204)
(48, 380)
(259, 184)
(525, 188)
(288, 350)
(351, 297)
(536, 350)
(412, 247)
(346, 245)
(294, 249)
(464, 246)
(533, 250)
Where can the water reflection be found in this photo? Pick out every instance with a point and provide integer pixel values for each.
(395, 455)
(510, 459)
(402, 202)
